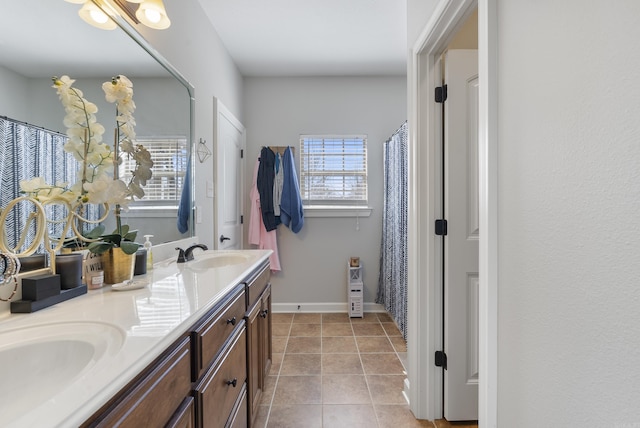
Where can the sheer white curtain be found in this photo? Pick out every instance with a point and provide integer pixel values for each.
(392, 281)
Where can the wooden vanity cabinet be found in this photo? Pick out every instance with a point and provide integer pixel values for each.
(212, 376)
(210, 334)
(185, 416)
(223, 387)
(259, 352)
(156, 396)
(266, 351)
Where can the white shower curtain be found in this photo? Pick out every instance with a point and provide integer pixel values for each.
(392, 281)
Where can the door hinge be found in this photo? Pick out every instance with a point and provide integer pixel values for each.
(241, 219)
(441, 94)
(441, 227)
(441, 359)
(241, 154)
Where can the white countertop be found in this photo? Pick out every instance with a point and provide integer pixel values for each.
(141, 324)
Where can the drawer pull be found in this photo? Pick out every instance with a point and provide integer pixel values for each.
(264, 313)
(233, 382)
(232, 321)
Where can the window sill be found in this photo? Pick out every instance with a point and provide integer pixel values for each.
(336, 211)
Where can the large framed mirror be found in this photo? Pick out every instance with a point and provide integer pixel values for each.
(44, 38)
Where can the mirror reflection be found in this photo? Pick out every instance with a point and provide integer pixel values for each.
(66, 45)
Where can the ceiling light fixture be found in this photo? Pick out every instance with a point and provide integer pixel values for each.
(93, 15)
(149, 12)
(152, 14)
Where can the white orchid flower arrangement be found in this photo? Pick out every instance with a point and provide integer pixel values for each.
(99, 179)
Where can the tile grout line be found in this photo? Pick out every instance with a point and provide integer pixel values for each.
(366, 379)
(275, 387)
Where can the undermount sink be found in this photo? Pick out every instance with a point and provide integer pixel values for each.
(216, 260)
(40, 361)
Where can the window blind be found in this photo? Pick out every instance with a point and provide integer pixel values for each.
(169, 155)
(333, 169)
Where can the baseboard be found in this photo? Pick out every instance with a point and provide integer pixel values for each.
(321, 307)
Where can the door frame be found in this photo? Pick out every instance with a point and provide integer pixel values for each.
(220, 111)
(424, 383)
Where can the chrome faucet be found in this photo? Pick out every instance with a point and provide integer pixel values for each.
(187, 255)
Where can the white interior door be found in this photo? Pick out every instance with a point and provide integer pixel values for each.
(461, 243)
(229, 147)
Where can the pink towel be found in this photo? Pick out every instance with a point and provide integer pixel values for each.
(258, 234)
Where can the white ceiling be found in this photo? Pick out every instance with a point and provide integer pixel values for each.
(312, 37)
(42, 38)
(266, 38)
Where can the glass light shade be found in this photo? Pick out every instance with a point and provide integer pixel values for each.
(153, 14)
(133, 1)
(91, 14)
(75, 1)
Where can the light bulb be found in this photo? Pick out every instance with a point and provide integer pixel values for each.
(98, 16)
(92, 14)
(153, 15)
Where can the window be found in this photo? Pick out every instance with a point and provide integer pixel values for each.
(333, 170)
(169, 155)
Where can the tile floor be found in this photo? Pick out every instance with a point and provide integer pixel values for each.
(333, 371)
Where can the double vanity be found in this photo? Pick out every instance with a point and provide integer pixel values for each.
(191, 349)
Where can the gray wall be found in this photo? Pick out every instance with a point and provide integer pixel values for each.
(192, 45)
(569, 204)
(278, 110)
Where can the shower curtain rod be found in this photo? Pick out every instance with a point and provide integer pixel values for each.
(19, 122)
(397, 130)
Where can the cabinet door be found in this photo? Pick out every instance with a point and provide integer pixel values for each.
(219, 389)
(210, 336)
(185, 416)
(256, 284)
(265, 335)
(254, 359)
(154, 398)
(239, 417)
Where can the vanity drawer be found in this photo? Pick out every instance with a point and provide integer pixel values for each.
(153, 399)
(239, 417)
(210, 336)
(185, 416)
(256, 284)
(223, 384)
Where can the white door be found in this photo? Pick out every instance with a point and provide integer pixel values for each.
(229, 148)
(461, 243)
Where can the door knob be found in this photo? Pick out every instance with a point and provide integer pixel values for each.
(224, 238)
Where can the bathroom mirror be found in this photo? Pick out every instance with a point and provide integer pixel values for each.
(44, 38)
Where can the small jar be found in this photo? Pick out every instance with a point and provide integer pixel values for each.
(95, 279)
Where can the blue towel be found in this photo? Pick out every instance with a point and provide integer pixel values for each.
(184, 209)
(291, 211)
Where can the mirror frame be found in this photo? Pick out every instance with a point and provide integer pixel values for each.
(116, 14)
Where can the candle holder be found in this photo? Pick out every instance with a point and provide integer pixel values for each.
(69, 267)
(33, 262)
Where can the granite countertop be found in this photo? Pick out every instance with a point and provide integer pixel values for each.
(132, 328)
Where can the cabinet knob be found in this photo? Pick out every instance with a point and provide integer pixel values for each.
(264, 313)
(233, 382)
(232, 321)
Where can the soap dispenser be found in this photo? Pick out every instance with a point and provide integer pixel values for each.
(147, 246)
